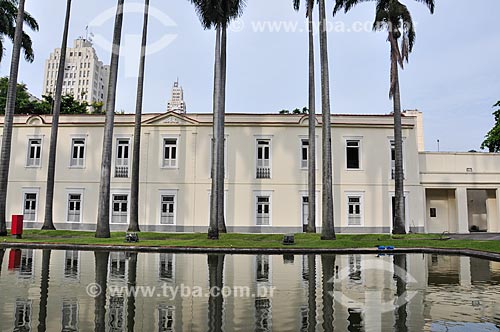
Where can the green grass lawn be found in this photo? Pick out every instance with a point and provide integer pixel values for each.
(309, 241)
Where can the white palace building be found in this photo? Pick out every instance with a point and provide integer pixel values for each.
(266, 174)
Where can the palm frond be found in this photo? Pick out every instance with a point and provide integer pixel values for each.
(429, 3)
(27, 47)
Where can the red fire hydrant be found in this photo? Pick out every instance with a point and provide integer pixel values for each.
(17, 226)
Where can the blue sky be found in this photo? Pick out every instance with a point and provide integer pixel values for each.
(453, 75)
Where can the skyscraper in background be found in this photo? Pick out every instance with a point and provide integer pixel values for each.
(176, 103)
(85, 77)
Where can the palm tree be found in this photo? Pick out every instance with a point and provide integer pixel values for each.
(218, 14)
(395, 18)
(134, 191)
(328, 230)
(8, 14)
(9, 116)
(311, 165)
(102, 230)
(49, 204)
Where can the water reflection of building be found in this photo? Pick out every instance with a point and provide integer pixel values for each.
(23, 315)
(70, 315)
(436, 296)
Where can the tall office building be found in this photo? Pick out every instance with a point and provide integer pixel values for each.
(176, 103)
(85, 77)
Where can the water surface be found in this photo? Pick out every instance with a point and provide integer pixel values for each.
(44, 290)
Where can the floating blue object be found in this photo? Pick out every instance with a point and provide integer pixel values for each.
(381, 248)
(390, 248)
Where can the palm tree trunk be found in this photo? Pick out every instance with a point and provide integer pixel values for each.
(399, 204)
(48, 223)
(221, 224)
(9, 117)
(311, 223)
(213, 229)
(103, 230)
(134, 190)
(44, 291)
(101, 280)
(328, 230)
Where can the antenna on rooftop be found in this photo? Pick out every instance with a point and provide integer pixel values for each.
(438, 144)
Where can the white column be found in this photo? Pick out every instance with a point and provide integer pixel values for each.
(462, 213)
(465, 276)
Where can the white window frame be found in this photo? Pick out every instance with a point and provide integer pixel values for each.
(74, 191)
(162, 151)
(391, 139)
(31, 190)
(210, 156)
(263, 138)
(359, 139)
(361, 196)
(117, 193)
(168, 193)
(115, 155)
(256, 195)
(73, 139)
(30, 138)
(306, 138)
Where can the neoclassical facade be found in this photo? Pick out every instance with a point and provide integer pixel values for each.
(266, 174)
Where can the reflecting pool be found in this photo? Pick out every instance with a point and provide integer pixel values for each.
(53, 290)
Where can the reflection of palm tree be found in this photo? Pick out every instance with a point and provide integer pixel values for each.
(132, 281)
(44, 290)
(2, 253)
(101, 279)
(311, 319)
(215, 301)
(328, 267)
(401, 313)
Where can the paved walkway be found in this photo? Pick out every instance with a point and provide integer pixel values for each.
(476, 236)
